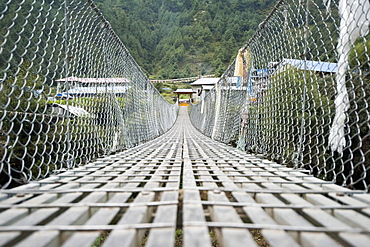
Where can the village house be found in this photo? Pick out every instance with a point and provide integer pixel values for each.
(202, 86)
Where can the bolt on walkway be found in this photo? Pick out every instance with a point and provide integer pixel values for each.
(186, 188)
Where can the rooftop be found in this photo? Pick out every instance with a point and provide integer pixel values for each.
(184, 90)
(312, 65)
(95, 80)
(77, 111)
(205, 81)
(94, 90)
(208, 87)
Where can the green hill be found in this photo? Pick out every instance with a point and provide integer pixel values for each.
(181, 38)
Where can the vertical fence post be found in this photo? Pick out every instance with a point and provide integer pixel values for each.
(217, 109)
(301, 139)
(66, 66)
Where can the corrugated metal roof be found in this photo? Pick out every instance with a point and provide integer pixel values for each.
(77, 111)
(205, 81)
(95, 80)
(184, 90)
(207, 87)
(94, 90)
(312, 65)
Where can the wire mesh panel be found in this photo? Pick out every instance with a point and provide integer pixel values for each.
(218, 115)
(304, 90)
(70, 90)
(206, 109)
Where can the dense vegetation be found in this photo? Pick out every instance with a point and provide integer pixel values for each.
(180, 38)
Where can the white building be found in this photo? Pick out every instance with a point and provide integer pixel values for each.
(202, 86)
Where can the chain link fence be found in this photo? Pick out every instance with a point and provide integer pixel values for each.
(299, 92)
(70, 91)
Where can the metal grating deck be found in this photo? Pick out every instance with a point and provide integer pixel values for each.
(184, 184)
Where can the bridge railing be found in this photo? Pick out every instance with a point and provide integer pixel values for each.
(70, 90)
(299, 91)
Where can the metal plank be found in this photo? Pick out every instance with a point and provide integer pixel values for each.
(192, 208)
(6, 237)
(102, 217)
(134, 215)
(318, 215)
(227, 236)
(164, 214)
(41, 238)
(351, 217)
(290, 217)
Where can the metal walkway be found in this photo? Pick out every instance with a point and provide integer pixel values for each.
(187, 188)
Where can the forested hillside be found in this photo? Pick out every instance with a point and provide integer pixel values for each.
(180, 38)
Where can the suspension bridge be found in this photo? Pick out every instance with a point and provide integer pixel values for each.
(275, 155)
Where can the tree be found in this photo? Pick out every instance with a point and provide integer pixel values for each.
(23, 132)
(150, 28)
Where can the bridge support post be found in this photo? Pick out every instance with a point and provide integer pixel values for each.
(217, 110)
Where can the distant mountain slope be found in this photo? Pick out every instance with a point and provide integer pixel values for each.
(180, 38)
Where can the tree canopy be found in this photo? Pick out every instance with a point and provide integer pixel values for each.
(180, 38)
